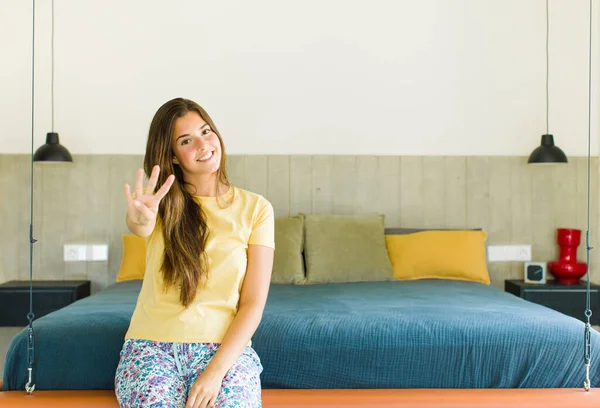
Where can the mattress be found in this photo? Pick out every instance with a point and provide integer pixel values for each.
(419, 334)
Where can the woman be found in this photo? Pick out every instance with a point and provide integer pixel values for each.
(209, 256)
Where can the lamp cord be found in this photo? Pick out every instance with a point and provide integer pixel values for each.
(52, 67)
(588, 312)
(29, 387)
(547, 67)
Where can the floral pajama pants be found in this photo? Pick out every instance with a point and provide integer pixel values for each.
(157, 374)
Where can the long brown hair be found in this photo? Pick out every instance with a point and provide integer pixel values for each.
(182, 220)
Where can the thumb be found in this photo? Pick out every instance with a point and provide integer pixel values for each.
(144, 214)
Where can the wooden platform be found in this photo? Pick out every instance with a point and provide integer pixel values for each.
(423, 398)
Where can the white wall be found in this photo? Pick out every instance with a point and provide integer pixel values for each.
(401, 77)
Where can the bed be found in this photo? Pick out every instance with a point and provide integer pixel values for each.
(373, 335)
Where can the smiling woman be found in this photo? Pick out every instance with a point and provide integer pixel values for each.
(208, 268)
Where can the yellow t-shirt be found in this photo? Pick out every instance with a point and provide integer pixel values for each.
(159, 315)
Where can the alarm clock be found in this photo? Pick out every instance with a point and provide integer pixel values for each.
(535, 272)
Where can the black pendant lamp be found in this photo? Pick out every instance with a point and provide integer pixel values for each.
(547, 152)
(52, 150)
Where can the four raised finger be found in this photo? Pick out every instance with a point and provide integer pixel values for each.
(139, 192)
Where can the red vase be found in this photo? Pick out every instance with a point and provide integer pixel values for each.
(567, 269)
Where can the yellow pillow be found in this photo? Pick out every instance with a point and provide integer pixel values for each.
(456, 255)
(133, 262)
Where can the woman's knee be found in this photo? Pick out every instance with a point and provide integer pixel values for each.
(241, 386)
(145, 387)
(146, 376)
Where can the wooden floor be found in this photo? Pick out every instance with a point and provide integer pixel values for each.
(422, 398)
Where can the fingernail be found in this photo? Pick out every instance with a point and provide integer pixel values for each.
(136, 203)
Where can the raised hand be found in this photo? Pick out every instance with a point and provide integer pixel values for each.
(142, 210)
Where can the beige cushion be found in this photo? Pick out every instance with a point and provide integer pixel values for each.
(346, 248)
(288, 264)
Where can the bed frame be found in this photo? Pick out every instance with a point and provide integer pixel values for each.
(355, 398)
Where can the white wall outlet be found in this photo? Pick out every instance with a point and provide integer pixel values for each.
(507, 253)
(75, 252)
(83, 252)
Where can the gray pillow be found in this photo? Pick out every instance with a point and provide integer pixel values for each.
(346, 248)
(288, 262)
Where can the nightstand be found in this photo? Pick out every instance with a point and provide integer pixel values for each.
(567, 299)
(48, 296)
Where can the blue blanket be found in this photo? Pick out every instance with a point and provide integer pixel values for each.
(421, 334)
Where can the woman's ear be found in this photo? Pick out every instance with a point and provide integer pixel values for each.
(175, 160)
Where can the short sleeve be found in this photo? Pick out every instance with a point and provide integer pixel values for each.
(263, 225)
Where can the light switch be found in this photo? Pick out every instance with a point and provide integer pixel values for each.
(99, 253)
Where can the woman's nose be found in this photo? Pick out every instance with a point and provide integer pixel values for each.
(200, 143)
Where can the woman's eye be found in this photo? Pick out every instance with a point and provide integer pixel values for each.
(206, 131)
(185, 141)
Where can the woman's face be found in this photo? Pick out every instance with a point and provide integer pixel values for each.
(196, 147)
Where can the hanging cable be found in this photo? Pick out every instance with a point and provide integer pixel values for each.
(587, 348)
(30, 386)
(52, 67)
(547, 68)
